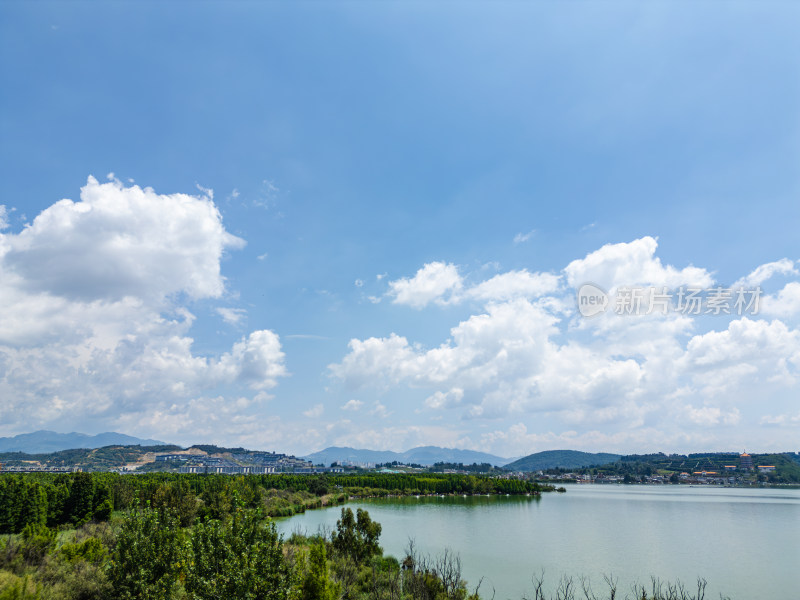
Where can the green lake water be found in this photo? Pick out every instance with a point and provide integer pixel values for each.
(744, 542)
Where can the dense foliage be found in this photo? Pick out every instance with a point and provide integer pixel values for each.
(77, 498)
(72, 499)
(190, 537)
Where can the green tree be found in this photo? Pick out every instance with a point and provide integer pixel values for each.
(79, 507)
(317, 585)
(239, 557)
(147, 555)
(318, 486)
(357, 536)
(22, 502)
(102, 503)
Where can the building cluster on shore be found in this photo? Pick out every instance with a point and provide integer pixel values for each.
(41, 469)
(250, 463)
(727, 474)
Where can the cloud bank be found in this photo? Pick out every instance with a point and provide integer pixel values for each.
(526, 357)
(95, 325)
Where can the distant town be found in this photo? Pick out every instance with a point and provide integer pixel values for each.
(695, 469)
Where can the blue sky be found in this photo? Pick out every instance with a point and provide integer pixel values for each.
(296, 225)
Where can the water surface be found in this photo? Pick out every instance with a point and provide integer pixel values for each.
(744, 542)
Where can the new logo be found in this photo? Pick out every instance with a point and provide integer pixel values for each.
(592, 300)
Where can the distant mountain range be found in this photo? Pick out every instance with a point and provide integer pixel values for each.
(566, 459)
(423, 455)
(44, 442)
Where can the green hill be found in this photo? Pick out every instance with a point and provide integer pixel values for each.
(565, 459)
(89, 459)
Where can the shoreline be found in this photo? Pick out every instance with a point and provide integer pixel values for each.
(331, 500)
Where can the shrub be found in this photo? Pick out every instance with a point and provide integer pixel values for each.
(81, 581)
(317, 584)
(20, 589)
(37, 541)
(90, 550)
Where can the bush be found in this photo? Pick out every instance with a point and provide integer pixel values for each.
(37, 541)
(90, 550)
(81, 581)
(20, 589)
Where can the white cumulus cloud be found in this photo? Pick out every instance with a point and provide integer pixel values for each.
(515, 284)
(630, 264)
(766, 271)
(434, 282)
(96, 323)
(232, 315)
(786, 303)
(122, 241)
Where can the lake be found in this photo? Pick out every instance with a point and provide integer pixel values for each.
(744, 542)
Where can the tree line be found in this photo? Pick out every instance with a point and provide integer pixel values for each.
(147, 553)
(72, 499)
